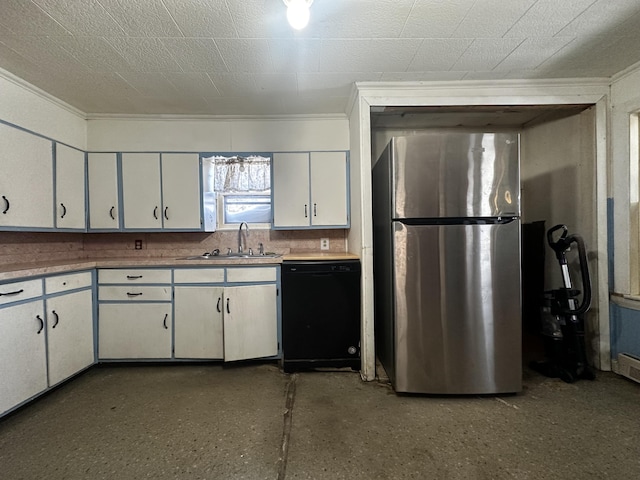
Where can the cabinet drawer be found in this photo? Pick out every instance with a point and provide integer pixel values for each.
(133, 276)
(251, 274)
(16, 291)
(135, 293)
(62, 283)
(198, 275)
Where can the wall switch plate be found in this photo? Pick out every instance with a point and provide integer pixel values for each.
(138, 245)
(324, 244)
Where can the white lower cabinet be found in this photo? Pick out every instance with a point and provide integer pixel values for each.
(250, 322)
(69, 334)
(233, 322)
(134, 331)
(23, 362)
(198, 327)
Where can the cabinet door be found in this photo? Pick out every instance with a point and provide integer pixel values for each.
(69, 334)
(26, 179)
(250, 322)
(141, 330)
(103, 191)
(141, 190)
(329, 201)
(70, 195)
(23, 364)
(181, 191)
(290, 184)
(198, 322)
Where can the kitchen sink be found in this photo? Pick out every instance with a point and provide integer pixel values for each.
(232, 256)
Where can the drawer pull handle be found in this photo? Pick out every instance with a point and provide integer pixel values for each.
(64, 210)
(134, 294)
(228, 311)
(164, 322)
(111, 213)
(7, 205)
(41, 323)
(57, 319)
(133, 277)
(155, 212)
(166, 213)
(315, 211)
(305, 210)
(218, 305)
(12, 293)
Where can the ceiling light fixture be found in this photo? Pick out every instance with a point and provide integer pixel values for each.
(298, 12)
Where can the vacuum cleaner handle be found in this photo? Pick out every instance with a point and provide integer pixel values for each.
(560, 246)
(584, 273)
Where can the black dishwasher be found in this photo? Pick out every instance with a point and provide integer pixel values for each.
(320, 314)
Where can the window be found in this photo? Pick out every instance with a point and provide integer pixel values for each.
(241, 186)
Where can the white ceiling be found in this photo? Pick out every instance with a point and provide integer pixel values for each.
(240, 57)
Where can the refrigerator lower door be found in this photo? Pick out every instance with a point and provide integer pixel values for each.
(457, 308)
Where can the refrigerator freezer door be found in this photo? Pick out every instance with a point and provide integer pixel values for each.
(444, 174)
(457, 309)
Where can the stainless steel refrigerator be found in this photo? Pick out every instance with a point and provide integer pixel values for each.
(446, 211)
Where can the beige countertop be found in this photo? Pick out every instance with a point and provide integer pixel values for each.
(22, 270)
(320, 256)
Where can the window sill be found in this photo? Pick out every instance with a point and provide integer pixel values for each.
(629, 301)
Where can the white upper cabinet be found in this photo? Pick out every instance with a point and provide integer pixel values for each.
(103, 191)
(181, 191)
(26, 179)
(290, 184)
(161, 191)
(141, 195)
(329, 201)
(310, 190)
(70, 191)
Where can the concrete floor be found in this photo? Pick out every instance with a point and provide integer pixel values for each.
(254, 422)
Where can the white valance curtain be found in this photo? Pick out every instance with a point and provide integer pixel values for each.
(250, 174)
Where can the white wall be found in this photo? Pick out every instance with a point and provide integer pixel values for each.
(625, 100)
(27, 107)
(558, 171)
(218, 134)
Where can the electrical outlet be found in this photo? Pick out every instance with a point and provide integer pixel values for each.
(324, 244)
(138, 245)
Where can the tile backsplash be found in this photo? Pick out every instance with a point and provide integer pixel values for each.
(25, 247)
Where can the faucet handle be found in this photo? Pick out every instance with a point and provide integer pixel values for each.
(250, 251)
(228, 250)
(261, 248)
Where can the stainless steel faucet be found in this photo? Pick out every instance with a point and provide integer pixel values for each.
(240, 249)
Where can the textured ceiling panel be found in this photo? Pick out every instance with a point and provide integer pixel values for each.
(295, 55)
(547, 18)
(491, 19)
(236, 57)
(439, 54)
(26, 18)
(142, 18)
(81, 17)
(202, 18)
(246, 55)
(351, 55)
(486, 53)
(95, 53)
(145, 54)
(436, 18)
(195, 54)
(532, 52)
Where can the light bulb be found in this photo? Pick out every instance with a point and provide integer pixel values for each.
(298, 13)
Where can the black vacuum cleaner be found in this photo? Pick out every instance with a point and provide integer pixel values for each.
(563, 318)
